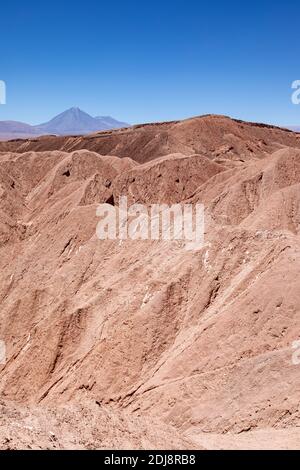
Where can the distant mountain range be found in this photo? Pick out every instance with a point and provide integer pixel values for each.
(74, 121)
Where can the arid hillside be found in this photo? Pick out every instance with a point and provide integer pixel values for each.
(211, 136)
(166, 348)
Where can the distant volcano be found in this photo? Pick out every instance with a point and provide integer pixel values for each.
(70, 122)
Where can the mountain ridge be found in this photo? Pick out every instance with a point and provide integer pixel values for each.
(208, 135)
(73, 121)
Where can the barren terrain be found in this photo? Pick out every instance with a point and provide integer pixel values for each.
(143, 344)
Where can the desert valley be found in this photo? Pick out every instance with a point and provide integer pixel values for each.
(143, 344)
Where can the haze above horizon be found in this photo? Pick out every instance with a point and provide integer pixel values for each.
(142, 62)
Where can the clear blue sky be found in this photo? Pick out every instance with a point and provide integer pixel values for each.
(153, 60)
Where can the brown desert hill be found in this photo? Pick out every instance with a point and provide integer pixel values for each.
(169, 347)
(212, 136)
(167, 180)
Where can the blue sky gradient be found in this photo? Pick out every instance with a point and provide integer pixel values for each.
(150, 61)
